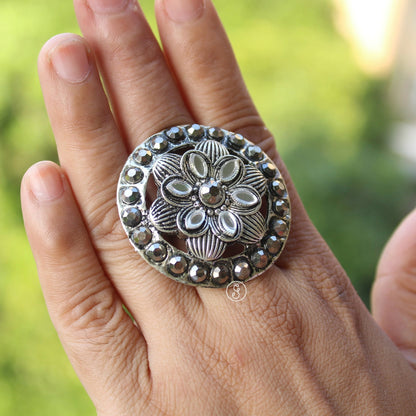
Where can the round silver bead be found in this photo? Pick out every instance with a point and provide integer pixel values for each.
(141, 236)
(278, 188)
(236, 141)
(260, 259)
(268, 169)
(198, 273)
(158, 143)
(242, 269)
(156, 252)
(195, 132)
(175, 134)
(281, 208)
(220, 274)
(133, 175)
(143, 156)
(130, 195)
(254, 153)
(177, 265)
(279, 227)
(272, 244)
(216, 133)
(131, 216)
(212, 193)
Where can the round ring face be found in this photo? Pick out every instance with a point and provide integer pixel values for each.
(222, 211)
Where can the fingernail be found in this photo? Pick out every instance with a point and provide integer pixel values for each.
(70, 60)
(108, 6)
(45, 182)
(182, 11)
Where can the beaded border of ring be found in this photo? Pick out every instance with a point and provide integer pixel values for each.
(185, 267)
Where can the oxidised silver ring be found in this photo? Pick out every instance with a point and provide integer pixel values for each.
(222, 211)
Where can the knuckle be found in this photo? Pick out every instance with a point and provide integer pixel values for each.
(123, 54)
(104, 221)
(331, 282)
(274, 311)
(59, 240)
(242, 118)
(230, 108)
(92, 308)
(91, 123)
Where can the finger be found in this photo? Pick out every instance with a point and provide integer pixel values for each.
(92, 153)
(394, 291)
(89, 145)
(86, 311)
(201, 56)
(204, 65)
(143, 93)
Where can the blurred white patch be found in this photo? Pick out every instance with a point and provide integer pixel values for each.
(373, 27)
(403, 143)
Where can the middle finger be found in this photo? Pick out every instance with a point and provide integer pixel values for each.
(143, 93)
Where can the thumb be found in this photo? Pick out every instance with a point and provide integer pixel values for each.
(394, 292)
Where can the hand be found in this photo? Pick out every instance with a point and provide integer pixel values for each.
(301, 343)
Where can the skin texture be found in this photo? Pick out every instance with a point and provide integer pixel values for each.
(301, 343)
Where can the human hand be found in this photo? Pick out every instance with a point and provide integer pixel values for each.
(300, 343)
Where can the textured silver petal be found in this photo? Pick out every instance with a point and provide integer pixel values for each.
(229, 169)
(163, 216)
(245, 200)
(227, 226)
(195, 166)
(254, 227)
(165, 166)
(206, 247)
(176, 191)
(192, 222)
(255, 179)
(213, 149)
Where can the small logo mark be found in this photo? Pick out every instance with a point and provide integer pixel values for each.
(236, 291)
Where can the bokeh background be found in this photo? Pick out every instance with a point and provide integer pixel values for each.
(340, 106)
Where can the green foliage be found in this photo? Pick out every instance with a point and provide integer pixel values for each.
(329, 122)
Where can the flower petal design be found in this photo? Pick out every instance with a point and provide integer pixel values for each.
(192, 222)
(245, 200)
(226, 226)
(179, 188)
(213, 149)
(254, 227)
(165, 166)
(229, 170)
(176, 191)
(195, 166)
(163, 216)
(255, 179)
(206, 247)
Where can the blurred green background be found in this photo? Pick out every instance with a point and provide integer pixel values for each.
(330, 122)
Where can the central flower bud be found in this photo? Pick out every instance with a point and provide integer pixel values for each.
(211, 193)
